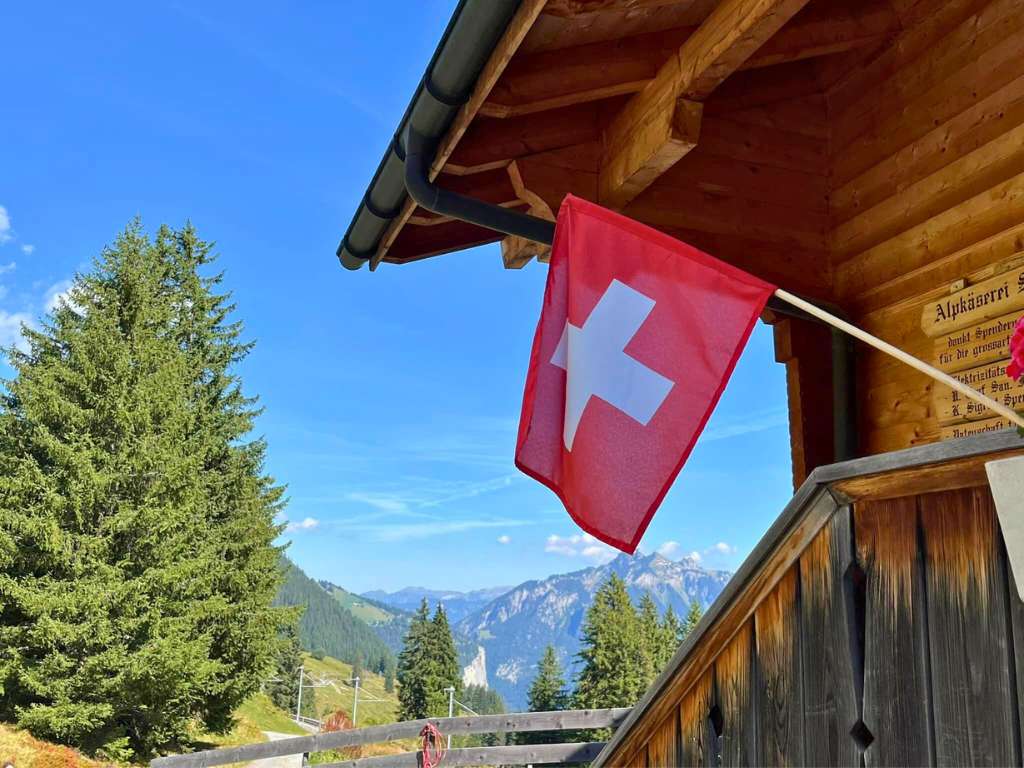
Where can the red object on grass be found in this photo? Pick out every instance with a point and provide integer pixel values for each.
(637, 338)
(1015, 369)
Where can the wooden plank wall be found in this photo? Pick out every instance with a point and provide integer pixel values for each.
(894, 640)
(927, 186)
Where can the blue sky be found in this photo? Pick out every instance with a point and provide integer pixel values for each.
(391, 398)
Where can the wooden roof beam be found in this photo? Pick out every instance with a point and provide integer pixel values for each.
(661, 123)
(598, 71)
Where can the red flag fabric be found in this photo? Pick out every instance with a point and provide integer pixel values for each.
(637, 338)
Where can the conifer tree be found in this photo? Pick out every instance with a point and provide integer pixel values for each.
(652, 637)
(413, 663)
(693, 617)
(445, 671)
(136, 522)
(547, 694)
(283, 686)
(673, 627)
(547, 691)
(612, 655)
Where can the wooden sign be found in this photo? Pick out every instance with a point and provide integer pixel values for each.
(989, 379)
(970, 347)
(969, 428)
(992, 298)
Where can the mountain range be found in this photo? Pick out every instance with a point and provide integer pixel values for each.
(457, 605)
(502, 640)
(500, 632)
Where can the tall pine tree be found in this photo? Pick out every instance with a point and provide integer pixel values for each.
(614, 667)
(547, 694)
(444, 667)
(136, 522)
(413, 673)
(693, 617)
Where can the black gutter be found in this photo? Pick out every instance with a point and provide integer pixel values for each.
(475, 28)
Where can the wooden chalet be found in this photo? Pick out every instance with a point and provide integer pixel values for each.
(868, 155)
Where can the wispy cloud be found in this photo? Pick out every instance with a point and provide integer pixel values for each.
(668, 548)
(393, 532)
(57, 294)
(6, 235)
(721, 548)
(306, 524)
(580, 545)
(10, 328)
(755, 421)
(28, 249)
(504, 539)
(9, 267)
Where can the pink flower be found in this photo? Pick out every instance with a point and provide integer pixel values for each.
(1015, 370)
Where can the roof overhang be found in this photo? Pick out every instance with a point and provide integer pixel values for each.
(527, 100)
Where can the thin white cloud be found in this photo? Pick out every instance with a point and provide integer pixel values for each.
(695, 556)
(580, 545)
(721, 548)
(668, 548)
(381, 501)
(306, 524)
(10, 329)
(8, 267)
(28, 249)
(756, 421)
(57, 294)
(6, 235)
(426, 530)
(504, 539)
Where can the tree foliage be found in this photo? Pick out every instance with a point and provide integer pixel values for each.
(693, 617)
(136, 521)
(547, 693)
(427, 665)
(283, 685)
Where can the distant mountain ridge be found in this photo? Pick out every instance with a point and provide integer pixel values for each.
(502, 642)
(457, 604)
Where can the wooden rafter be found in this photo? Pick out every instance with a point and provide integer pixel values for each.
(659, 125)
(577, 8)
(601, 70)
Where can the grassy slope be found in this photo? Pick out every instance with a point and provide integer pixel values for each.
(339, 696)
(360, 608)
(27, 752)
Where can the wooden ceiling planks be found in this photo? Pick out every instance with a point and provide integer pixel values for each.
(595, 71)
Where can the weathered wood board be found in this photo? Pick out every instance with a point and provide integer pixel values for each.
(972, 669)
(780, 732)
(734, 684)
(830, 639)
(986, 300)
(990, 379)
(896, 687)
(663, 748)
(970, 347)
(698, 741)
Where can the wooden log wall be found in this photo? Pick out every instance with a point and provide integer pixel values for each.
(897, 638)
(926, 188)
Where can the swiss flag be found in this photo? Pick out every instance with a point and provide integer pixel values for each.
(638, 336)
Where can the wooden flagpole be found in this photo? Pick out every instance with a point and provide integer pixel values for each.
(899, 354)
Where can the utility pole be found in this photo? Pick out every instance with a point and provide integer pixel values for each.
(355, 702)
(298, 704)
(450, 690)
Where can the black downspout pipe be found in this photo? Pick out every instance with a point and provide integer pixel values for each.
(419, 154)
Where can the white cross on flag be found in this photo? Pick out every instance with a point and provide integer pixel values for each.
(637, 338)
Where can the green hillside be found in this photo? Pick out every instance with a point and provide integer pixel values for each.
(338, 693)
(369, 611)
(326, 625)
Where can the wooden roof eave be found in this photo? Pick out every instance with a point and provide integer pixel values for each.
(935, 467)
